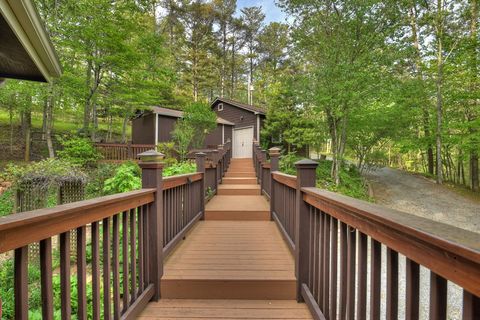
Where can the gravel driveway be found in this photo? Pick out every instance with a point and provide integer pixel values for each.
(420, 196)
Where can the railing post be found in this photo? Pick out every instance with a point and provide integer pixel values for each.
(152, 167)
(200, 161)
(222, 160)
(263, 159)
(274, 154)
(306, 177)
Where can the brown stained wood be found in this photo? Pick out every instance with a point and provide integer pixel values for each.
(315, 281)
(333, 268)
(320, 245)
(362, 276)
(141, 261)
(21, 283)
(66, 307)
(471, 306)
(313, 307)
(351, 263)
(46, 278)
(125, 262)
(175, 181)
(107, 293)
(343, 270)
(285, 179)
(326, 264)
(81, 273)
(413, 290)
(133, 256)
(225, 309)
(392, 284)
(375, 279)
(27, 227)
(116, 266)
(448, 251)
(95, 270)
(438, 297)
(146, 247)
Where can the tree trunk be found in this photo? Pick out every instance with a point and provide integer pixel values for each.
(474, 87)
(28, 128)
(439, 84)
(124, 129)
(86, 107)
(49, 121)
(10, 115)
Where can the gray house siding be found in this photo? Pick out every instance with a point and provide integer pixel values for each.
(143, 129)
(242, 118)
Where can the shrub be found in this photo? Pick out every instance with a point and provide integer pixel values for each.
(97, 178)
(168, 149)
(126, 178)
(180, 168)
(79, 151)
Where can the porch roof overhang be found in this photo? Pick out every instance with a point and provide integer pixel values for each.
(26, 51)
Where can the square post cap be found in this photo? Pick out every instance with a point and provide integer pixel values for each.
(306, 164)
(151, 156)
(275, 151)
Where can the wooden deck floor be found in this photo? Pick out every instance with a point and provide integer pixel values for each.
(225, 309)
(234, 264)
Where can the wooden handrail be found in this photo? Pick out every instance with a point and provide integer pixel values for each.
(450, 252)
(175, 181)
(285, 179)
(23, 228)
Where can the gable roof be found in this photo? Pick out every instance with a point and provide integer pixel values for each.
(26, 51)
(179, 114)
(244, 106)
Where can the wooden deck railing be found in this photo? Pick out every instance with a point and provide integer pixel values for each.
(121, 151)
(108, 219)
(128, 233)
(338, 241)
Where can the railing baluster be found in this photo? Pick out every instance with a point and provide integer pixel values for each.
(362, 276)
(125, 260)
(66, 308)
(471, 306)
(133, 256)
(95, 270)
(141, 265)
(392, 284)
(343, 270)
(316, 228)
(81, 273)
(413, 290)
(116, 267)
(21, 283)
(351, 263)
(320, 258)
(146, 246)
(438, 297)
(46, 278)
(375, 278)
(106, 269)
(333, 268)
(326, 264)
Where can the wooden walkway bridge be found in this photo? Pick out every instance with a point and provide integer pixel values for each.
(266, 246)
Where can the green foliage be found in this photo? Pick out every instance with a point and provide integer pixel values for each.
(180, 168)
(126, 178)
(170, 152)
(97, 177)
(352, 183)
(7, 202)
(79, 151)
(190, 131)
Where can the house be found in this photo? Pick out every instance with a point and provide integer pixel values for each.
(26, 51)
(241, 123)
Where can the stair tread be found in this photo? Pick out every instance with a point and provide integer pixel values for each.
(238, 203)
(239, 186)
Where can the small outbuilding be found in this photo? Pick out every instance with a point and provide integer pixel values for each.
(241, 123)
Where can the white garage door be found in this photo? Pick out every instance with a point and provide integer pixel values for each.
(242, 143)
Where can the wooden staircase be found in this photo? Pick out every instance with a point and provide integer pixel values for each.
(236, 253)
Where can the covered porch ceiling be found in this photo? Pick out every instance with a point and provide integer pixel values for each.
(26, 51)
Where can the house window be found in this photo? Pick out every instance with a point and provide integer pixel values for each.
(220, 107)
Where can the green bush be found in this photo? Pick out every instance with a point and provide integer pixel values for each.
(79, 151)
(97, 178)
(7, 202)
(180, 168)
(170, 152)
(126, 178)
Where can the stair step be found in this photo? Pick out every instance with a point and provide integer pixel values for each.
(240, 174)
(227, 207)
(230, 260)
(230, 180)
(239, 190)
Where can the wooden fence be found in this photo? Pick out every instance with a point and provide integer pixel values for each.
(122, 151)
(129, 234)
(336, 267)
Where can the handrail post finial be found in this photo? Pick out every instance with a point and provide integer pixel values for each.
(151, 163)
(306, 177)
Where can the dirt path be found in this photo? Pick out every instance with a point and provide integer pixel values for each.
(420, 196)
